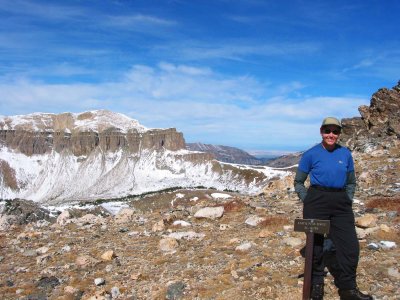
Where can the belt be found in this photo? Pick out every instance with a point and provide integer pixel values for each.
(327, 189)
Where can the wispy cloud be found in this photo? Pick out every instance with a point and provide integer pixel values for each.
(132, 21)
(236, 50)
(198, 101)
(48, 10)
(365, 63)
(383, 63)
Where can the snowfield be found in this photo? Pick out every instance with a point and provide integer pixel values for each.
(61, 177)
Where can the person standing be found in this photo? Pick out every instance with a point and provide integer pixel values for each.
(330, 197)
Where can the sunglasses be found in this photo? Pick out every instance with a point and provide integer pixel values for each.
(328, 131)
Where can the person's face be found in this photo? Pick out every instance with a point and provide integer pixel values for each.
(330, 134)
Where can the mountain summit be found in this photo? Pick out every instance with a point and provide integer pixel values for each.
(96, 121)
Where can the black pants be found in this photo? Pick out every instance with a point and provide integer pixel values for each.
(336, 207)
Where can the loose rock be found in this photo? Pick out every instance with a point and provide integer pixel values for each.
(387, 244)
(168, 244)
(366, 221)
(108, 255)
(115, 292)
(254, 220)
(125, 215)
(187, 235)
(244, 247)
(175, 291)
(210, 212)
(159, 226)
(86, 261)
(99, 281)
(292, 242)
(48, 282)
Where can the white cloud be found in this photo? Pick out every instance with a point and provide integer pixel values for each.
(132, 21)
(239, 49)
(365, 63)
(204, 105)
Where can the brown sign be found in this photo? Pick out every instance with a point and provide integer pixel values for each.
(312, 225)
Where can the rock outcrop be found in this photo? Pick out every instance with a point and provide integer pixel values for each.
(374, 139)
(24, 212)
(379, 124)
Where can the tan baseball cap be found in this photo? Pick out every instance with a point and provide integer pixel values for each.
(331, 121)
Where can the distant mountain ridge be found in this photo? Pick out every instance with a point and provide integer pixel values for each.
(225, 153)
(239, 156)
(284, 161)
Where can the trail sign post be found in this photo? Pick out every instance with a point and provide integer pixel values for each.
(310, 226)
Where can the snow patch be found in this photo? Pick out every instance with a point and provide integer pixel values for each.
(220, 196)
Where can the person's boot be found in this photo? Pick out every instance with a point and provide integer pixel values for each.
(317, 291)
(353, 294)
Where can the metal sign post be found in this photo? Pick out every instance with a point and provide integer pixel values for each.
(310, 226)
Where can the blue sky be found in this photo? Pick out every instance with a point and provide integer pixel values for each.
(258, 75)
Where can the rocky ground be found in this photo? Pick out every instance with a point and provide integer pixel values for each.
(187, 244)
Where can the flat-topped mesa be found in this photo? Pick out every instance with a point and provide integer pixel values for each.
(83, 133)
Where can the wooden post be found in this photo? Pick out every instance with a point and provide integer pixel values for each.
(308, 265)
(310, 226)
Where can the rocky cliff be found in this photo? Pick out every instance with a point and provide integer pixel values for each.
(83, 133)
(379, 124)
(100, 154)
(374, 139)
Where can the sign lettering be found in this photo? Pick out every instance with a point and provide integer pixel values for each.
(312, 225)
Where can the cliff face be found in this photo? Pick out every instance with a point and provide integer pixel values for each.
(83, 143)
(374, 139)
(40, 134)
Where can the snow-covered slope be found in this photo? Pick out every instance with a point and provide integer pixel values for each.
(59, 176)
(97, 121)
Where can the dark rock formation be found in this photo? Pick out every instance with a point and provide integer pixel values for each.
(379, 124)
(374, 139)
(8, 175)
(25, 211)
